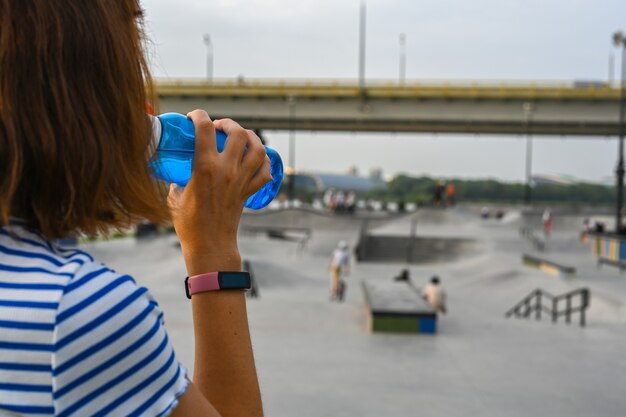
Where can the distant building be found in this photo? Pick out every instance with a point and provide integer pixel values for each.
(553, 179)
(560, 179)
(376, 173)
(353, 170)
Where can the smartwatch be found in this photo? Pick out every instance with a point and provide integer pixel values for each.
(215, 281)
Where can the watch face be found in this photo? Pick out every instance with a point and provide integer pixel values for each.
(234, 280)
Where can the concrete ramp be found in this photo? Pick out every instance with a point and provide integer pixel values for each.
(415, 250)
(326, 230)
(318, 220)
(427, 236)
(479, 364)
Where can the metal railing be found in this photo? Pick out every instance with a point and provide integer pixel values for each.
(539, 301)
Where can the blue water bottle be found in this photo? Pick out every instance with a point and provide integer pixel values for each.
(175, 136)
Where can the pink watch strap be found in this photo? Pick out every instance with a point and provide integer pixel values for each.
(203, 282)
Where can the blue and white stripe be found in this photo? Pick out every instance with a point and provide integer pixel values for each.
(77, 338)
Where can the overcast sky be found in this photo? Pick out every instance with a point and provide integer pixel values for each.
(461, 39)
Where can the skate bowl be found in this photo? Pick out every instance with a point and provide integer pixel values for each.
(428, 236)
(303, 217)
(415, 250)
(325, 230)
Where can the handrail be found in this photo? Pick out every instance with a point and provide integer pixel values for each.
(534, 303)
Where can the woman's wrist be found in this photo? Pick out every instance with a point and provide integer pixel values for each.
(210, 258)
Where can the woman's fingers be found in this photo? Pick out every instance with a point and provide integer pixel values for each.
(255, 154)
(243, 157)
(206, 145)
(238, 139)
(243, 146)
(260, 178)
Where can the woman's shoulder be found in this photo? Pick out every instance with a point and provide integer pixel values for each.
(111, 348)
(22, 248)
(84, 287)
(107, 349)
(94, 288)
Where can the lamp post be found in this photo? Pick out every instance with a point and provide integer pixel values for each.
(362, 21)
(611, 67)
(528, 109)
(620, 41)
(209, 57)
(291, 191)
(402, 41)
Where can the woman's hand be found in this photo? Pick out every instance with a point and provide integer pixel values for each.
(206, 212)
(206, 216)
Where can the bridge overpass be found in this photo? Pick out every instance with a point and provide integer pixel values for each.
(545, 108)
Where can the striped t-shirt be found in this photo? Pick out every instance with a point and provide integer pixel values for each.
(77, 338)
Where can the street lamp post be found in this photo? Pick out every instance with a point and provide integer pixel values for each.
(528, 109)
(209, 57)
(362, 21)
(402, 41)
(611, 67)
(620, 41)
(291, 191)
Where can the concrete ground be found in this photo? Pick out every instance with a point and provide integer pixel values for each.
(316, 358)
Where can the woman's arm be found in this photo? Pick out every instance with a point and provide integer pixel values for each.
(206, 217)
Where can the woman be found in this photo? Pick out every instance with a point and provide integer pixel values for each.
(77, 338)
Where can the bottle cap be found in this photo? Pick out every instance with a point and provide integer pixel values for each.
(156, 134)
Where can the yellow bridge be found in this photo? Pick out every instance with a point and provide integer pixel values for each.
(448, 107)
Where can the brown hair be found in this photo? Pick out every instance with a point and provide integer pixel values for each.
(74, 137)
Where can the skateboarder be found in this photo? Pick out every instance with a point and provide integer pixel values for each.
(435, 295)
(548, 223)
(339, 267)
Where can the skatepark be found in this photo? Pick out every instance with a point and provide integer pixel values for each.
(317, 358)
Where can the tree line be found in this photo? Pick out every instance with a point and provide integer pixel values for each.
(420, 190)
